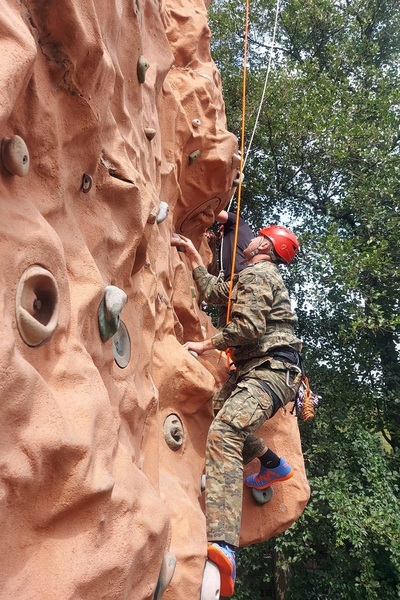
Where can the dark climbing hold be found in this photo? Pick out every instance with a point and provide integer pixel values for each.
(194, 156)
(15, 155)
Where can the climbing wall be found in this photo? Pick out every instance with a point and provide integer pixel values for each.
(113, 137)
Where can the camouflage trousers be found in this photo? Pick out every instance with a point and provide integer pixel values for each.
(243, 406)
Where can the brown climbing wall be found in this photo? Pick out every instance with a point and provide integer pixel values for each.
(117, 107)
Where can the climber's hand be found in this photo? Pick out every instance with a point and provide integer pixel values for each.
(199, 347)
(187, 246)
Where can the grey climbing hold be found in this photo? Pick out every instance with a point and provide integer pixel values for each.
(179, 248)
(150, 132)
(166, 574)
(162, 212)
(193, 156)
(173, 432)
(37, 305)
(142, 66)
(211, 583)
(87, 183)
(110, 308)
(196, 123)
(122, 346)
(15, 155)
(262, 496)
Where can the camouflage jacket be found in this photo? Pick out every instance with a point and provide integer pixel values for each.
(261, 313)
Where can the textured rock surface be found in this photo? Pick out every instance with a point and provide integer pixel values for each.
(91, 496)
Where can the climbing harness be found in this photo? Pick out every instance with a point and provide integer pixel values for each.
(305, 400)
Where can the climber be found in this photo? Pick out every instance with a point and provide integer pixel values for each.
(226, 238)
(245, 234)
(260, 337)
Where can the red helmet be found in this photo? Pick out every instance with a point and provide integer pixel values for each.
(284, 242)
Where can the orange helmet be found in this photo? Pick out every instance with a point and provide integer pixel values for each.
(284, 242)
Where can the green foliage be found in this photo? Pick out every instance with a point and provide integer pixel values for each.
(325, 159)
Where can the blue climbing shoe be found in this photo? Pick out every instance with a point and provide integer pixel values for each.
(224, 557)
(267, 477)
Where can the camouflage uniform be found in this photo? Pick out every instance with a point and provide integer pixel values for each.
(261, 319)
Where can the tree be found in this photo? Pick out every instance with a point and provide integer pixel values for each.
(325, 157)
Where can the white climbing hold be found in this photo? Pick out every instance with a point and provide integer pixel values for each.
(115, 300)
(211, 584)
(37, 305)
(162, 212)
(15, 155)
(203, 482)
(196, 123)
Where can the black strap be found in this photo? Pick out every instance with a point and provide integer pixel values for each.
(275, 398)
(287, 354)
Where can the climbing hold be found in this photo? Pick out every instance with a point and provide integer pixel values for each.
(179, 248)
(194, 156)
(236, 161)
(150, 132)
(211, 583)
(262, 496)
(87, 183)
(37, 305)
(203, 482)
(15, 155)
(166, 574)
(142, 66)
(162, 212)
(122, 346)
(173, 432)
(236, 181)
(111, 305)
(196, 123)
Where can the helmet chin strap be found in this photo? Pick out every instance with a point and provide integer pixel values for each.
(269, 252)
(252, 253)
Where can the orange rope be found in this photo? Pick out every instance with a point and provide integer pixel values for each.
(246, 31)
(308, 411)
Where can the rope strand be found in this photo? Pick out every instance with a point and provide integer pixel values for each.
(246, 35)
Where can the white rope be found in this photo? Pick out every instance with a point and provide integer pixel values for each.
(265, 82)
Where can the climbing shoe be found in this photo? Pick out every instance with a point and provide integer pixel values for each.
(224, 557)
(267, 477)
